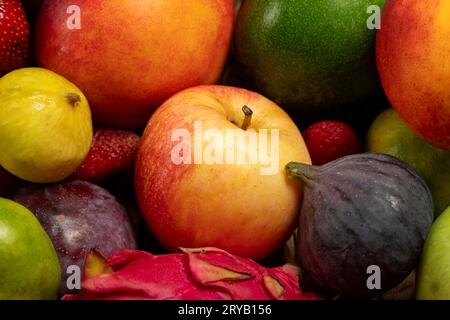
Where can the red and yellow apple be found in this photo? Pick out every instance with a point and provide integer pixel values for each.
(234, 205)
(413, 50)
(129, 56)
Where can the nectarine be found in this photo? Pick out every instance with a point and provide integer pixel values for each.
(129, 56)
(413, 50)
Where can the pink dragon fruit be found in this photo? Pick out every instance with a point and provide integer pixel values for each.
(194, 274)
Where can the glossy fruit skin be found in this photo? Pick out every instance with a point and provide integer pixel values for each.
(29, 268)
(362, 210)
(330, 140)
(15, 49)
(79, 216)
(310, 54)
(194, 274)
(130, 56)
(433, 275)
(410, 51)
(230, 206)
(389, 134)
(45, 125)
(112, 151)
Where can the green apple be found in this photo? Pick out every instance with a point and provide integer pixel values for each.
(433, 279)
(391, 135)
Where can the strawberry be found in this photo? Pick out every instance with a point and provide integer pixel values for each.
(330, 140)
(112, 151)
(14, 36)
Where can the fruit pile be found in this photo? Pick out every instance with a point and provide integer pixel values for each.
(247, 149)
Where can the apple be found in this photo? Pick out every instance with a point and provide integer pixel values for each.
(411, 52)
(129, 56)
(210, 172)
(433, 278)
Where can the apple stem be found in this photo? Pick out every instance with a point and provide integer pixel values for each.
(73, 99)
(248, 117)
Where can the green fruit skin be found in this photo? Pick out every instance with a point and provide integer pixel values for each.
(433, 278)
(309, 54)
(389, 134)
(29, 266)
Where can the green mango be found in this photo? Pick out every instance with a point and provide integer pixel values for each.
(310, 55)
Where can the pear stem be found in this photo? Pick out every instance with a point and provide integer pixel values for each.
(73, 98)
(300, 171)
(248, 117)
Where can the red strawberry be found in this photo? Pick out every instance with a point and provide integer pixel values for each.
(330, 140)
(14, 36)
(112, 151)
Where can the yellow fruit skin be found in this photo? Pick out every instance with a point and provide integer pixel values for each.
(433, 278)
(44, 134)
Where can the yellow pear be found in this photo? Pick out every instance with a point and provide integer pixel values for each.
(45, 125)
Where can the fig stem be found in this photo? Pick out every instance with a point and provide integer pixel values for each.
(300, 171)
(73, 98)
(248, 117)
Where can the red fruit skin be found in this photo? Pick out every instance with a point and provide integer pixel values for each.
(330, 140)
(196, 274)
(112, 151)
(131, 55)
(14, 36)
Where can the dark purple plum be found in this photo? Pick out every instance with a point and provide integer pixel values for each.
(79, 216)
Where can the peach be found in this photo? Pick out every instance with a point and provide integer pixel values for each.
(129, 56)
(413, 51)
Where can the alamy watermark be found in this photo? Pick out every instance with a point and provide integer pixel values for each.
(73, 281)
(74, 20)
(374, 21)
(374, 280)
(231, 146)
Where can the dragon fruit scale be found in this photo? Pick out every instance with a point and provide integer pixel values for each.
(193, 274)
